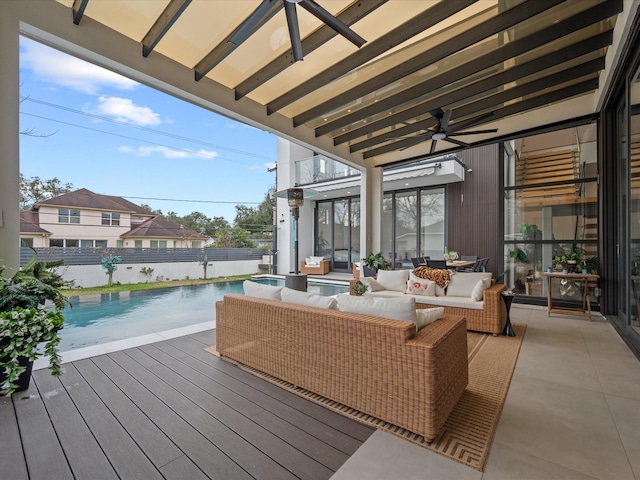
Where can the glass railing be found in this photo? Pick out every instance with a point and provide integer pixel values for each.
(321, 169)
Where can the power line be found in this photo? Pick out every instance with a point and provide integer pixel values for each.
(140, 127)
(127, 137)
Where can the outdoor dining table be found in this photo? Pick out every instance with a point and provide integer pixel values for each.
(460, 263)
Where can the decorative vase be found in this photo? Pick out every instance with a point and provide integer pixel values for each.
(565, 271)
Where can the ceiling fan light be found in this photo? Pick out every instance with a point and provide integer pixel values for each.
(439, 136)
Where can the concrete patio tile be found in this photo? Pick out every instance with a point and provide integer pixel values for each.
(569, 366)
(625, 414)
(561, 424)
(538, 334)
(618, 375)
(602, 341)
(384, 456)
(505, 463)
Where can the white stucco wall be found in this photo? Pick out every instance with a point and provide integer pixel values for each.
(86, 276)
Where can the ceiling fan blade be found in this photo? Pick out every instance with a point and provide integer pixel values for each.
(474, 132)
(433, 146)
(320, 13)
(413, 144)
(261, 15)
(457, 142)
(294, 30)
(471, 122)
(445, 120)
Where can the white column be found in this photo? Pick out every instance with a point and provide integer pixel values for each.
(9, 140)
(371, 194)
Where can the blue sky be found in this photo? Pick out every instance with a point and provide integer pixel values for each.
(114, 136)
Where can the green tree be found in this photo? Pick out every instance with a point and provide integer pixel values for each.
(258, 220)
(233, 237)
(201, 223)
(34, 190)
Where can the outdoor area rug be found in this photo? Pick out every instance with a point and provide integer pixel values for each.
(467, 434)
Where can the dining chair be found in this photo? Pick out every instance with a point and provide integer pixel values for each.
(416, 261)
(436, 263)
(469, 258)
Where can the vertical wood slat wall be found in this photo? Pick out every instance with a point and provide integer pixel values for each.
(474, 208)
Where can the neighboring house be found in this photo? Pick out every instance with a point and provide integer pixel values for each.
(83, 219)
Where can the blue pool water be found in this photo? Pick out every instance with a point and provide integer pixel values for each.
(97, 319)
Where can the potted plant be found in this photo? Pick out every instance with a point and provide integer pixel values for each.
(359, 289)
(374, 262)
(518, 255)
(25, 322)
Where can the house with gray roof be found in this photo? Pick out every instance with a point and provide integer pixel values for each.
(84, 219)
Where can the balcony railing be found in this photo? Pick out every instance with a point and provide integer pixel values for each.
(320, 169)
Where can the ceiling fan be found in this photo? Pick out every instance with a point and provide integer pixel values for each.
(441, 131)
(268, 8)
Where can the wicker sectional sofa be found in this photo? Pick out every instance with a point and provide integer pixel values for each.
(379, 366)
(488, 315)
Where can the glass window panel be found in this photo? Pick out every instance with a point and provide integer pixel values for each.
(634, 209)
(26, 242)
(103, 243)
(56, 242)
(550, 207)
(323, 229)
(355, 231)
(86, 243)
(341, 234)
(406, 229)
(71, 243)
(432, 223)
(138, 244)
(74, 216)
(387, 230)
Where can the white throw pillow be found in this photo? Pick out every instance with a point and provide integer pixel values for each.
(316, 260)
(403, 308)
(372, 284)
(478, 291)
(424, 316)
(463, 283)
(308, 299)
(420, 286)
(395, 280)
(254, 289)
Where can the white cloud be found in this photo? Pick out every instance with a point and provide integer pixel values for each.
(125, 110)
(169, 153)
(62, 69)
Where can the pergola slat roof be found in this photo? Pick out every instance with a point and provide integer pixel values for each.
(497, 64)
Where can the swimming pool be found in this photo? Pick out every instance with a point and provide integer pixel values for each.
(102, 318)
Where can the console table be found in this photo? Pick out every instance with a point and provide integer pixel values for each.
(586, 301)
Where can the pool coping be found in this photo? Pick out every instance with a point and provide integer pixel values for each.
(117, 345)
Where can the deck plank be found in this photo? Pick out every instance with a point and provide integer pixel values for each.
(168, 410)
(11, 454)
(292, 426)
(206, 394)
(85, 457)
(42, 451)
(326, 417)
(188, 427)
(127, 459)
(149, 438)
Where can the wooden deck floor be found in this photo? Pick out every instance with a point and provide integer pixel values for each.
(168, 410)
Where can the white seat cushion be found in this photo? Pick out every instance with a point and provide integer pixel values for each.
(462, 284)
(402, 308)
(308, 299)
(445, 301)
(254, 289)
(424, 316)
(395, 280)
